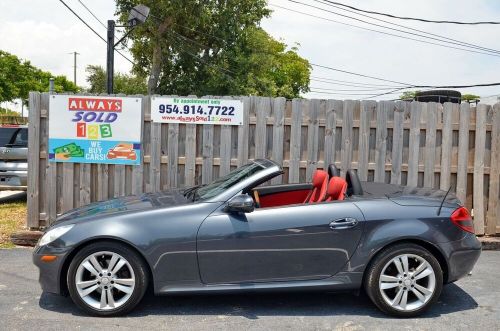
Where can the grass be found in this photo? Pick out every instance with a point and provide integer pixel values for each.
(12, 219)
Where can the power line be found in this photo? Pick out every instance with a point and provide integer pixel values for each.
(347, 83)
(360, 75)
(349, 90)
(330, 93)
(491, 53)
(458, 42)
(413, 18)
(91, 13)
(94, 31)
(407, 85)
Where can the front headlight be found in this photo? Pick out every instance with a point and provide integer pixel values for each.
(53, 234)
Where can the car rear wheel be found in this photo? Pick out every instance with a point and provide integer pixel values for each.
(404, 280)
(107, 279)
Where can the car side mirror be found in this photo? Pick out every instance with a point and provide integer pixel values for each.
(242, 203)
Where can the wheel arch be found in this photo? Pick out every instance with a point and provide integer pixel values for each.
(435, 251)
(65, 267)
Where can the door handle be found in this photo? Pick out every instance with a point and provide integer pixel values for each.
(343, 223)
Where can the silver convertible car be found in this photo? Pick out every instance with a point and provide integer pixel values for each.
(400, 245)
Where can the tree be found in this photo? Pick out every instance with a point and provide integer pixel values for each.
(408, 95)
(123, 83)
(213, 48)
(470, 97)
(18, 77)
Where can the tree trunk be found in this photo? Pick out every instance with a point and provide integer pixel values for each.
(157, 60)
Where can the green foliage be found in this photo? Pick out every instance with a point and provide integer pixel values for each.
(19, 77)
(123, 83)
(8, 112)
(470, 97)
(213, 48)
(408, 95)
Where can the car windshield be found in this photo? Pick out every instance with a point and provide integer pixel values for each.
(13, 137)
(223, 183)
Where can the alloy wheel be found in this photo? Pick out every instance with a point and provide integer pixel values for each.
(105, 280)
(407, 282)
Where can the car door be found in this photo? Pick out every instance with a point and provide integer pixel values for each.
(301, 242)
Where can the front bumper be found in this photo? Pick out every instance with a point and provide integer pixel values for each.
(50, 272)
(462, 256)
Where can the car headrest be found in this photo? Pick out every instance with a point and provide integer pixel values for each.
(353, 183)
(333, 171)
(319, 177)
(337, 187)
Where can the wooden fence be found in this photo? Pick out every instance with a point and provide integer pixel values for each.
(394, 142)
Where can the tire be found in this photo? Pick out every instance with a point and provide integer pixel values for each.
(110, 292)
(384, 272)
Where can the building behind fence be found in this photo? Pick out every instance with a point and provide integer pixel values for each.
(416, 144)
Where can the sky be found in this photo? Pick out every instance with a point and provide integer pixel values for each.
(45, 32)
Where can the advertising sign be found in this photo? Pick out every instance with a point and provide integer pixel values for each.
(197, 111)
(95, 129)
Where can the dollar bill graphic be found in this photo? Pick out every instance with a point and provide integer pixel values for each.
(71, 150)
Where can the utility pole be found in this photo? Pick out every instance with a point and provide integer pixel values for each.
(137, 15)
(74, 65)
(110, 63)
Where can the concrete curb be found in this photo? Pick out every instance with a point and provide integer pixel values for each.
(30, 238)
(490, 243)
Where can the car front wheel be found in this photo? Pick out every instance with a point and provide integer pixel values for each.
(404, 280)
(107, 279)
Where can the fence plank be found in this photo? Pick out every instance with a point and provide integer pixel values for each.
(414, 144)
(381, 141)
(430, 144)
(493, 216)
(225, 150)
(173, 154)
(295, 137)
(397, 142)
(84, 184)
(33, 161)
(347, 125)
(190, 166)
(446, 145)
(102, 182)
(243, 133)
(119, 180)
(278, 134)
(479, 155)
(366, 111)
(154, 163)
(68, 179)
(463, 152)
(138, 171)
(330, 131)
(208, 154)
(264, 109)
(312, 138)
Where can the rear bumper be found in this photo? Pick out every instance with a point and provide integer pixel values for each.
(13, 180)
(462, 256)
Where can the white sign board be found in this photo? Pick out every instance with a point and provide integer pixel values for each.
(197, 111)
(95, 129)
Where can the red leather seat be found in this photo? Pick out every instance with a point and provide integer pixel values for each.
(337, 186)
(320, 183)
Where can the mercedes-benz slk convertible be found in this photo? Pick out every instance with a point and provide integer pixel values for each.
(399, 244)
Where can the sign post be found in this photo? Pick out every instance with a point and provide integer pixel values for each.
(95, 129)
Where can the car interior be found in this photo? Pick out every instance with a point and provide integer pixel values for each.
(326, 186)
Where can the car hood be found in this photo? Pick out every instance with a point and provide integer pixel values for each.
(120, 205)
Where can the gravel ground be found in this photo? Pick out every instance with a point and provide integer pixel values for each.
(471, 303)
